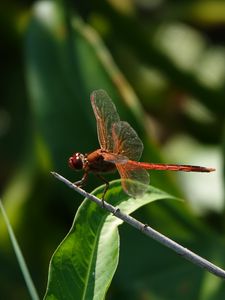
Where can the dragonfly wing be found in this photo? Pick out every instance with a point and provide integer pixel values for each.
(106, 115)
(135, 180)
(114, 158)
(126, 141)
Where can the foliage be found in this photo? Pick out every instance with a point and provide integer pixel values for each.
(163, 66)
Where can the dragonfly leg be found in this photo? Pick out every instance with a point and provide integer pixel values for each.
(105, 189)
(83, 180)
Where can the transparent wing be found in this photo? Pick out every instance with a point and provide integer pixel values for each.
(114, 158)
(106, 115)
(126, 141)
(135, 180)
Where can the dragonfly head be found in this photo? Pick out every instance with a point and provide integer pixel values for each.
(76, 161)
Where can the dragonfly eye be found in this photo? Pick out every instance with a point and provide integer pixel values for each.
(76, 161)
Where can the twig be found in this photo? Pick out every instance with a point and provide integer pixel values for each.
(184, 252)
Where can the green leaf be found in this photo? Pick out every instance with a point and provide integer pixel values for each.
(62, 70)
(19, 255)
(85, 262)
(18, 191)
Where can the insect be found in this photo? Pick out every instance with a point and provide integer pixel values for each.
(120, 149)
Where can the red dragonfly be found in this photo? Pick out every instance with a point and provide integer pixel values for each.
(121, 149)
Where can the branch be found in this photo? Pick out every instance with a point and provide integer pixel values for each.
(184, 252)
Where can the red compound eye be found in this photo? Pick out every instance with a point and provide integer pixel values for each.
(76, 161)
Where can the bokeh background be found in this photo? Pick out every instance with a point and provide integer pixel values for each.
(163, 64)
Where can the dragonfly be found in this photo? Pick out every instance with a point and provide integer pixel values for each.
(120, 149)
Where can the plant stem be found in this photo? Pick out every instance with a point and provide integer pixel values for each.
(184, 252)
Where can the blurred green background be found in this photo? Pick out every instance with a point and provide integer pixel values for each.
(163, 64)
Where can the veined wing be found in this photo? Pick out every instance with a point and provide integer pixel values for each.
(115, 158)
(134, 180)
(126, 141)
(106, 115)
